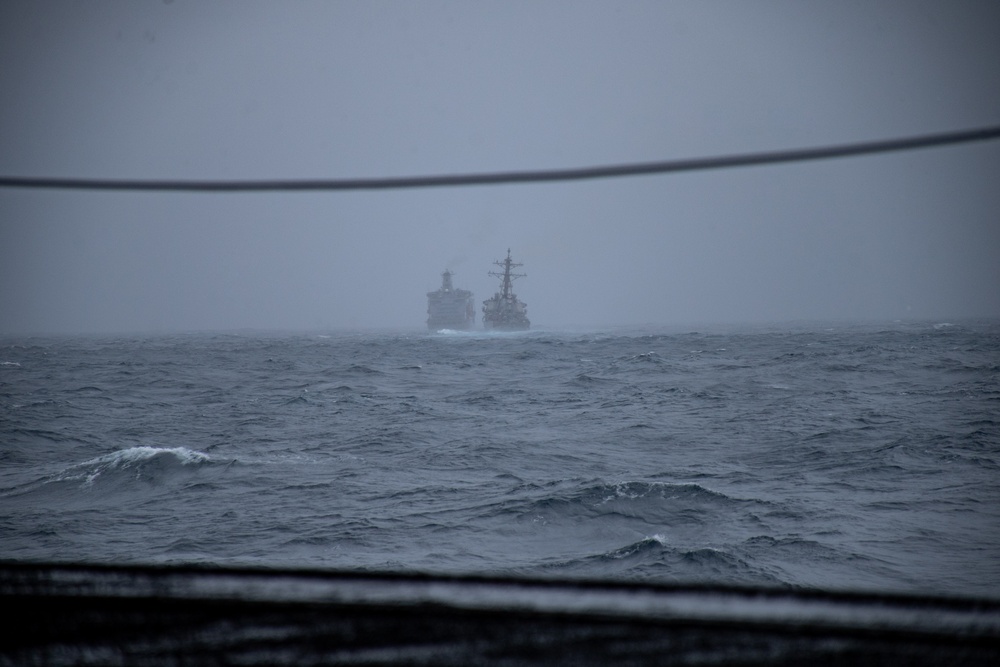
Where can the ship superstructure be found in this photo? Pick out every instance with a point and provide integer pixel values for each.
(503, 310)
(450, 308)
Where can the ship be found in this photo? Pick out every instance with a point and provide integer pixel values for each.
(503, 311)
(450, 308)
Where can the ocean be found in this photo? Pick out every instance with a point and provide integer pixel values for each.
(839, 457)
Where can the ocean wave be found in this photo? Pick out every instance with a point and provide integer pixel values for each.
(651, 543)
(141, 463)
(581, 451)
(642, 358)
(86, 389)
(584, 379)
(653, 557)
(655, 503)
(121, 469)
(362, 369)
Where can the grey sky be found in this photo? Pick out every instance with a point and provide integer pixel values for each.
(367, 89)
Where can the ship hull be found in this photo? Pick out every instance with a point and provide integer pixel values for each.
(450, 308)
(450, 325)
(501, 315)
(507, 327)
(450, 313)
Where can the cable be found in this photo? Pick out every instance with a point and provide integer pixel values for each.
(538, 176)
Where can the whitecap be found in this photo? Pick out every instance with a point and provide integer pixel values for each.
(133, 457)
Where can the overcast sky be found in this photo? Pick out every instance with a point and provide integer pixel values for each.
(232, 90)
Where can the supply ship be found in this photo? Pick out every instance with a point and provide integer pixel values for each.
(503, 311)
(450, 308)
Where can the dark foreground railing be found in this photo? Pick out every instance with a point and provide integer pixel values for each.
(61, 614)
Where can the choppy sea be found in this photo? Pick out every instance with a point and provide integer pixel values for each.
(848, 457)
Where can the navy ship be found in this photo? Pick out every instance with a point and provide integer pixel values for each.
(503, 311)
(450, 308)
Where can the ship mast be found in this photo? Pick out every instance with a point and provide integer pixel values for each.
(505, 291)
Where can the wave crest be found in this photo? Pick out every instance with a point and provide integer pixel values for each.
(143, 463)
(654, 503)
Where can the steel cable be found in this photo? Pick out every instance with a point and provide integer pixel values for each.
(508, 177)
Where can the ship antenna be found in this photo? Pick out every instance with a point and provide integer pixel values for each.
(505, 290)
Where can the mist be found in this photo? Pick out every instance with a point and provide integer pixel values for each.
(227, 90)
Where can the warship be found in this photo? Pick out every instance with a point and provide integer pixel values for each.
(503, 311)
(450, 308)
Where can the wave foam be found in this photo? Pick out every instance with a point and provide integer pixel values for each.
(144, 460)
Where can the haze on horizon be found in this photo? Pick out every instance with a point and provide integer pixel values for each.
(260, 90)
